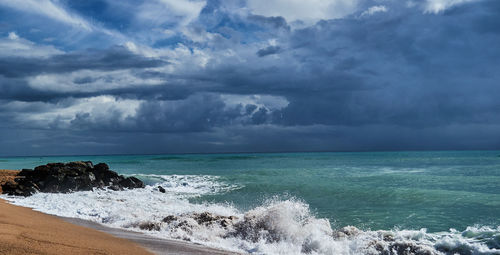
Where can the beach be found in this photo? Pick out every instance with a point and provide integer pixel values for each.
(442, 202)
(25, 231)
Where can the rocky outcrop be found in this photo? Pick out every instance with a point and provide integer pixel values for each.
(68, 177)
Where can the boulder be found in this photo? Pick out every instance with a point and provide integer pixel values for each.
(161, 189)
(68, 177)
(131, 183)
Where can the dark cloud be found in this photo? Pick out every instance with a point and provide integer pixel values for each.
(19, 90)
(270, 50)
(273, 22)
(403, 79)
(175, 116)
(115, 58)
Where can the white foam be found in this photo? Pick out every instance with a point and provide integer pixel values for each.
(276, 227)
(188, 185)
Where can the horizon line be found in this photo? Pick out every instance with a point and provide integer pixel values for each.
(241, 152)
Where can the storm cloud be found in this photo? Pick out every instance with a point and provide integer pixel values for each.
(223, 76)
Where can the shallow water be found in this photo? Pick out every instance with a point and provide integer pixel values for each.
(393, 191)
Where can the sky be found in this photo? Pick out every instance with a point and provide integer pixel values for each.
(195, 76)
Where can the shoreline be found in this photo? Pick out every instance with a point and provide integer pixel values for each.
(110, 240)
(153, 244)
(24, 230)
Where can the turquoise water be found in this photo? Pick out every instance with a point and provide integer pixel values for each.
(437, 190)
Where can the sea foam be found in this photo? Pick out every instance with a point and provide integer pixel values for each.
(278, 226)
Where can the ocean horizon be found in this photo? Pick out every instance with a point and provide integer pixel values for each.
(444, 201)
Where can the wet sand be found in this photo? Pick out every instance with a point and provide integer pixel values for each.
(24, 231)
(156, 245)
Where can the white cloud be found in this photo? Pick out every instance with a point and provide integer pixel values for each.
(179, 12)
(166, 18)
(90, 81)
(436, 6)
(99, 109)
(179, 57)
(374, 9)
(15, 46)
(264, 101)
(300, 10)
(53, 10)
(49, 9)
(161, 19)
(13, 36)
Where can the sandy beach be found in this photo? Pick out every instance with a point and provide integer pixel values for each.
(24, 231)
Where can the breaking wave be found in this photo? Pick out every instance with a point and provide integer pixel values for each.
(278, 226)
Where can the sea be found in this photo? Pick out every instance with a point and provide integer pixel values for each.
(419, 202)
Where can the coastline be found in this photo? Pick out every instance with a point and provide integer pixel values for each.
(24, 230)
(155, 245)
(411, 214)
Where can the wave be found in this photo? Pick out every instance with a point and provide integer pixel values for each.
(278, 226)
(187, 185)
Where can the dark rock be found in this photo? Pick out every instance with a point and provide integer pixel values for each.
(169, 219)
(403, 247)
(101, 167)
(207, 219)
(150, 226)
(408, 248)
(252, 227)
(115, 187)
(226, 223)
(131, 183)
(68, 177)
(161, 189)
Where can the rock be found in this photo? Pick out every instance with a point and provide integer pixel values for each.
(402, 247)
(408, 248)
(131, 183)
(115, 187)
(346, 231)
(252, 227)
(205, 218)
(146, 225)
(226, 223)
(150, 226)
(101, 167)
(161, 189)
(169, 219)
(68, 177)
